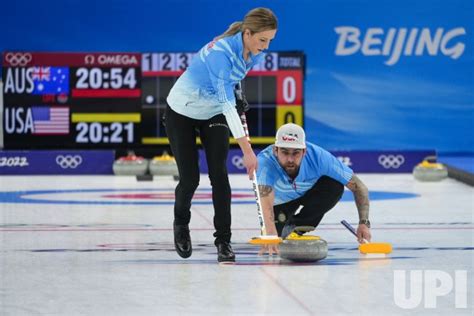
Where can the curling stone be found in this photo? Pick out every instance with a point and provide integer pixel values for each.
(430, 171)
(130, 165)
(164, 165)
(303, 248)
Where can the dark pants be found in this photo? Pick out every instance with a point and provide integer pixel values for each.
(318, 200)
(214, 133)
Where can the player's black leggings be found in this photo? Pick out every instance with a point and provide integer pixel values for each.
(214, 133)
(318, 200)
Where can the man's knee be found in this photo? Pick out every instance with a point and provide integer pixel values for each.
(280, 220)
(337, 188)
(322, 197)
(330, 188)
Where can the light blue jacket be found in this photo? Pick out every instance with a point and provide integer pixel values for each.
(316, 163)
(206, 88)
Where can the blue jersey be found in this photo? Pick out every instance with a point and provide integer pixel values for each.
(206, 88)
(316, 163)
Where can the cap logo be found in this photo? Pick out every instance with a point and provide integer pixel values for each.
(289, 137)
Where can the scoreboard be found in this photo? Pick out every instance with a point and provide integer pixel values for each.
(73, 100)
(116, 100)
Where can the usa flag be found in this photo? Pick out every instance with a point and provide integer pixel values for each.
(50, 120)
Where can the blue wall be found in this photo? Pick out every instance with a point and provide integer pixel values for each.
(353, 101)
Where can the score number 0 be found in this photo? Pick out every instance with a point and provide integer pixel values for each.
(290, 110)
(289, 90)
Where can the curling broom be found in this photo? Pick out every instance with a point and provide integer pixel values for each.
(263, 239)
(368, 247)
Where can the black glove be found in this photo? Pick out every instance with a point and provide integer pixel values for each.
(241, 103)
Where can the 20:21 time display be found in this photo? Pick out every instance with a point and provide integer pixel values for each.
(113, 133)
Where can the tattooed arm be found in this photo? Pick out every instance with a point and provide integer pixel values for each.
(361, 197)
(267, 197)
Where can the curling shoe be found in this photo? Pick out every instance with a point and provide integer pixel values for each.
(287, 230)
(182, 240)
(225, 252)
(292, 229)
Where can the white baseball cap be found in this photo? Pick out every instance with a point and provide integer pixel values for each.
(290, 136)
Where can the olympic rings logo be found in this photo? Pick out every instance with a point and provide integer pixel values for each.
(391, 161)
(238, 162)
(18, 59)
(68, 161)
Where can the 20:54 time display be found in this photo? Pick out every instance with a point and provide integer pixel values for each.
(104, 133)
(105, 78)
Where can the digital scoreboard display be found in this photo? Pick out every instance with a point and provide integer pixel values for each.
(117, 100)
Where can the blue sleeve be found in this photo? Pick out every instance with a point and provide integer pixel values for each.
(334, 168)
(266, 175)
(220, 67)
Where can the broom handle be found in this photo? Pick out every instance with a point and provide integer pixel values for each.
(261, 220)
(352, 230)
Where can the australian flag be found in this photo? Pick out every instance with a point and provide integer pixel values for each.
(50, 80)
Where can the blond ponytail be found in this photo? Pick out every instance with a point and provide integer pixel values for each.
(233, 29)
(256, 20)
